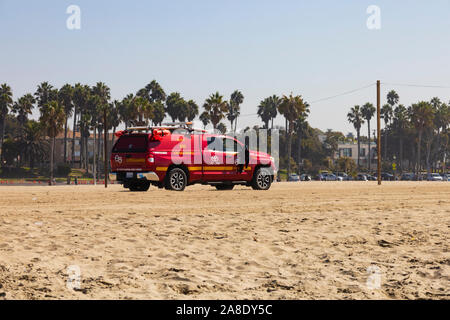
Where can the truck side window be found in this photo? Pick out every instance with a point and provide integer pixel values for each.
(214, 144)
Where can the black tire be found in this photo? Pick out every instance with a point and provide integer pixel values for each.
(176, 180)
(139, 186)
(223, 187)
(262, 179)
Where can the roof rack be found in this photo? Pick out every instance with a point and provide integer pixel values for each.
(167, 126)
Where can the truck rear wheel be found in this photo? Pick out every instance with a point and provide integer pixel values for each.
(176, 180)
(223, 187)
(140, 186)
(262, 180)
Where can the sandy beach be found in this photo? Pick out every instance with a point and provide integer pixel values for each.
(297, 241)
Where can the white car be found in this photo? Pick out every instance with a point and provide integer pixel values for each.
(434, 177)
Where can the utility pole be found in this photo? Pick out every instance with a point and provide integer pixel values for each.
(379, 130)
(105, 144)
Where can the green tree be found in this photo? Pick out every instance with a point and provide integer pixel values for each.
(175, 104)
(65, 98)
(192, 110)
(234, 109)
(6, 100)
(400, 124)
(274, 102)
(356, 118)
(159, 112)
(265, 112)
(222, 128)
(205, 119)
(292, 108)
(421, 116)
(53, 118)
(368, 111)
(23, 107)
(216, 108)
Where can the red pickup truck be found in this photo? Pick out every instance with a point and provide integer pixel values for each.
(174, 157)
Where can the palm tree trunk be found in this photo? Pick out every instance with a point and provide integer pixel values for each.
(52, 149)
(419, 143)
(299, 160)
(272, 124)
(94, 169)
(401, 154)
(359, 146)
(65, 140)
(289, 153)
(368, 155)
(385, 142)
(73, 138)
(235, 124)
(2, 140)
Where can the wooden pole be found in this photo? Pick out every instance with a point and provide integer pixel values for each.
(105, 144)
(379, 130)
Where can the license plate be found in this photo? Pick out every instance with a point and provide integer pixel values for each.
(130, 175)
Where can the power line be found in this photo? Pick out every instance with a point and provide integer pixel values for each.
(416, 85)
(344, 93)
(324, 99)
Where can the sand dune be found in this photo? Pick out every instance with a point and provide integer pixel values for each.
(296, 241)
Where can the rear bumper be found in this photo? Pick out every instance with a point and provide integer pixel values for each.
(149, 176)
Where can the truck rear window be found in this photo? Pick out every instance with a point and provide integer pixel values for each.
(131, 143)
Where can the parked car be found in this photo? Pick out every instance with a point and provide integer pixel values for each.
(344, 176)
(407, 177)
(387, 177)
(294, 178)
(305, 177)
(361, 177)
(329, 177)
(446, 176)
(144, 156)
(434, 177)
(371, 177)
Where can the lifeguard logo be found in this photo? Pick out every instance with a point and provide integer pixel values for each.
(118, 159)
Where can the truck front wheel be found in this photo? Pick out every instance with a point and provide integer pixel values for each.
(262, 180)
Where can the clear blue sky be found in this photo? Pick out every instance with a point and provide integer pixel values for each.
(313, 48)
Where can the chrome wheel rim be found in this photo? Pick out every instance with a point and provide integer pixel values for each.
(177, 181)
(263, 180)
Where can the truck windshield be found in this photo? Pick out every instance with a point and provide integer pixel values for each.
(131, 143)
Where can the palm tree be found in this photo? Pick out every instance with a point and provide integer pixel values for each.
(274, 102)
(159, 112)
(368, 111)
(356, 118)
(44, 94)
(421, 116)
(234, 109)
(192, 110)
(387, 113)
(392, 98)
(33, 141)
(6, 101)
(400, 123)
(265, 112)
(155, 92)
(23, 107)
(53, 118)
(174, 105)
(205, 119)
(65, 97)
(292, 108)
(216, 108)
(113, 118)
(79, 98)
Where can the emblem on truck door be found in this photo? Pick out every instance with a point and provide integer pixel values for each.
(118, 159)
